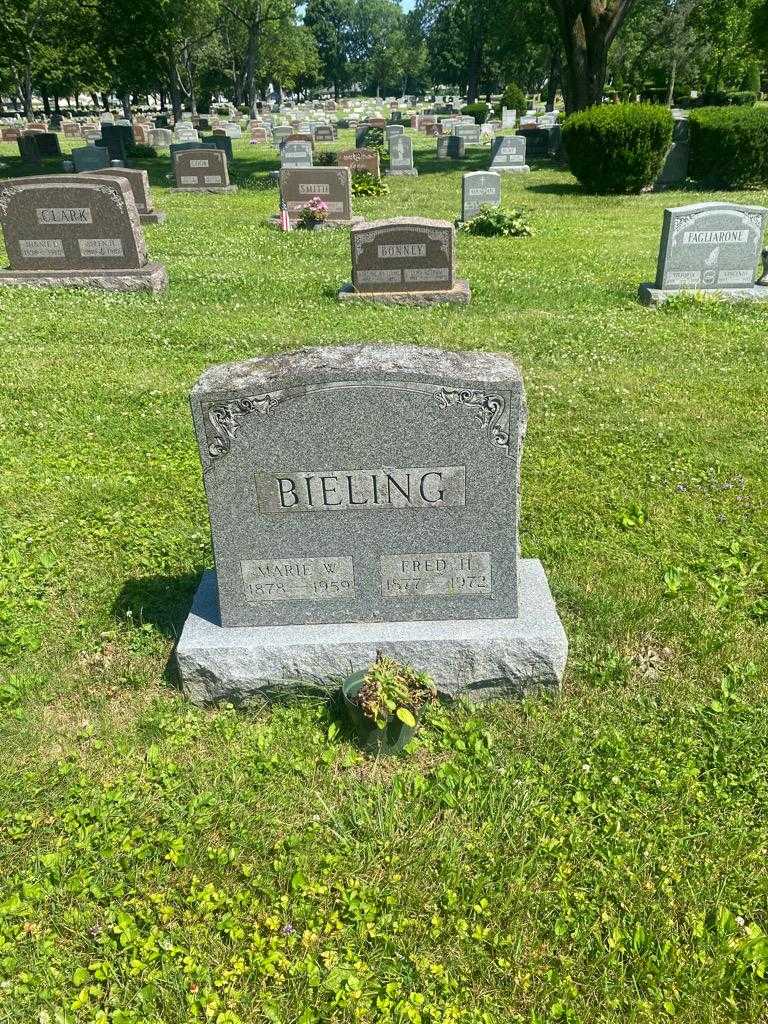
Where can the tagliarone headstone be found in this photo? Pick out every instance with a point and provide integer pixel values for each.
(401, 157)
(360, 160)
(405, 261)
(332, 185)
(75, 231)
(508, 155)
(139, 183)
(709, 247)
(479, 188)
(365, 499)
(201, 170)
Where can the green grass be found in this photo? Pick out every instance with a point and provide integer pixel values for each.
(601, 857)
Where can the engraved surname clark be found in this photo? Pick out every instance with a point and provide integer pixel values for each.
(64, 215)
(371, 490)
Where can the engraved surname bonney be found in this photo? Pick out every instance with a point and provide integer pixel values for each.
(298, 579)
(361, 489)
(408, 250)
(443, 574)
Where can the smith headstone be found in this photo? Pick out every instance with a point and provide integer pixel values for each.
(333, 185)
(366, 499)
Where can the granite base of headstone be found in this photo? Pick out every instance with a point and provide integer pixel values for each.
(712, 249)
(407, 261)
(331, 548)
(73, 231)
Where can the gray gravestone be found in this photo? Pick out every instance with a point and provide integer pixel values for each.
(295, 154)
(90, 158)
(67, 230)
(479, 188)
(201, 169)
(222, 142)
(405, 261)
(451, 147)
(360, 160)
(139, 184)
(324, 133)
(116, 138)
(393, 131)
(508, 155)
(333, 185)
(675, 169)
(709, 247)
(470, 133)
(401, 157)
(366, 499)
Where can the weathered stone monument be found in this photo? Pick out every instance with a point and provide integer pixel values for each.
(405, 261)
(360, 160)
(75, 231)
(201, 170)
(401, 157)
(450, 147)
(139, 183)
(366, 499)
(508, 155)
(479, 188)
(296, 153)
(674, 171)
(332, 185)
(710, 247)
(89, 158)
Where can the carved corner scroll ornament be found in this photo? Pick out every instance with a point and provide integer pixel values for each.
(226, 418)
(490, 411)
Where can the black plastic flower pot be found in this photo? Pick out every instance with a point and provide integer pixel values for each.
(389, 740)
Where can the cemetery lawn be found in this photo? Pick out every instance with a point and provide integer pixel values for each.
(600, 857)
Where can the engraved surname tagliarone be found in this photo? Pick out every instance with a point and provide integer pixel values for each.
(298, 579)
(446, 574)
(369, 490)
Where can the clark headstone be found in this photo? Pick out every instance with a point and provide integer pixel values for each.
(405, 261)
(75, 231)
(709, 247)
(366, 499)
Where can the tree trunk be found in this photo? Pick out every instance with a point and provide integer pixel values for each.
(672, 77)
(56, 103)
(26, 92)
(175, 88)
(46, 104)
(473, 71)
(94, 96)
(555, 71)
(586, 34)
(125, 99)
(162, 100)
(105, 100)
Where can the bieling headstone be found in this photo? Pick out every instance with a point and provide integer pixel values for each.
(365, 499)
(139, 184)
(401, 157)
(508, 155)
(72, 230)
(333, 185)
(201, 170)
(360, 160)
(479, 188)
(709, 247)
(405, 261)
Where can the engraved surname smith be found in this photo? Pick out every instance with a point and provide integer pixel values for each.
(370, 490)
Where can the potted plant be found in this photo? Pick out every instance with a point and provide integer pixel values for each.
(384, 703)
(314, 215)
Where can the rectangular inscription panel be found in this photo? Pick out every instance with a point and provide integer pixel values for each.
(64, 215)
(199, 163)
(31, 248)
(361, 489)
(445, 574)
(298, 579)
(100, 246)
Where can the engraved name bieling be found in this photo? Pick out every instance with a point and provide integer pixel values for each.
(363, 484)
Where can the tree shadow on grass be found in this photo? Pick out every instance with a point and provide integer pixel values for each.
(558, 188)
(432, 164)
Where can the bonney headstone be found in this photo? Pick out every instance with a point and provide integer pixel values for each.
(479, 188)
(405, 261)
(201, 170)
(75, 231)
(139, 183)
(713, 247)
(365, 499)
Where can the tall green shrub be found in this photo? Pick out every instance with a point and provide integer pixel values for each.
(514, 99)
(729, 146)
(477, 110)
(619, 147)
